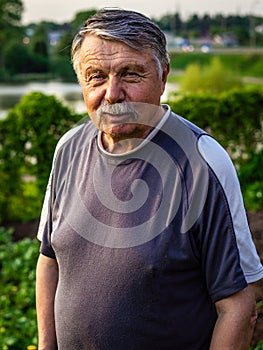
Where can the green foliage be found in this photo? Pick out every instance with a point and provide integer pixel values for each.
(238, 28)
(18, 327)
(38, 47)
(11, 12)
(20, 60)
(28, 136)
(80, 18)
(251, 180)
(39, 40)
(17, 58)
(244, 64)
(259, 346)
(254, 66)
(240, 64)
(191, 80)
(212, 78)
(234, 118)
(10, 17)
(180, 60)
(61, 66)
(63, 47)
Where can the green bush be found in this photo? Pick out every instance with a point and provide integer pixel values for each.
(251, 180)
(18, 327)
(28, 136)
(214, 78)
(234, 118)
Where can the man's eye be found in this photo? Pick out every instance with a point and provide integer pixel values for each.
(96, 76)
(131, 77)
(131, 74)
(95, 79)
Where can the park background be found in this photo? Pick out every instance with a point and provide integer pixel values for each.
(216, 81)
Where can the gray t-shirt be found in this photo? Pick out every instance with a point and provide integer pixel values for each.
(146, 242)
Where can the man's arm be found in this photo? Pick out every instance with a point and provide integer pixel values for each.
(236, 320)
(46, 285)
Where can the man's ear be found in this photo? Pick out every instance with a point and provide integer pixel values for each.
(165, 75)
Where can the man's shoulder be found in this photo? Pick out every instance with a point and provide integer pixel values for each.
(182, 134)
(72, 134)
(185, 124)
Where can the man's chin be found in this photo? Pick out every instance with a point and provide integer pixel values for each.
(120, 130)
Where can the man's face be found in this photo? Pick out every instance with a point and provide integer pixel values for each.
(118, 84)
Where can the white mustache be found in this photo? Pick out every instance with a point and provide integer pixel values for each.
(117, 108)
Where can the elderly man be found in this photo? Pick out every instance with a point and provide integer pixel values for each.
(145, 243)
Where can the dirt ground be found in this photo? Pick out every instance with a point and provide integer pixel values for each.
(256, 224)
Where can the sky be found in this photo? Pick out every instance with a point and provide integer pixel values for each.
(61, 11)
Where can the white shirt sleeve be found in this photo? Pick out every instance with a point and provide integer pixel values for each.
(221, 164)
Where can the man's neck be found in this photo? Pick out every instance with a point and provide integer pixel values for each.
(122, 145)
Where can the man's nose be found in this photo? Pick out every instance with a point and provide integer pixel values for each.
(114, 91)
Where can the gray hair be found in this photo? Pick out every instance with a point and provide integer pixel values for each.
(128, 27)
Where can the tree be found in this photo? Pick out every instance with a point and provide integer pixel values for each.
(205, 25)
(64, 45)
(17, 58)
(39, 47)
(10, 18)
(60, 62)
(193, 25)
(10, 13)
(176, 23)
(80, 18)
(39, 40)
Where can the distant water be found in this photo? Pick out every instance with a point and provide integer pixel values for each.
(68, 93)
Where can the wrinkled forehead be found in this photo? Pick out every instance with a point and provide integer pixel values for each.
(96, 48)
